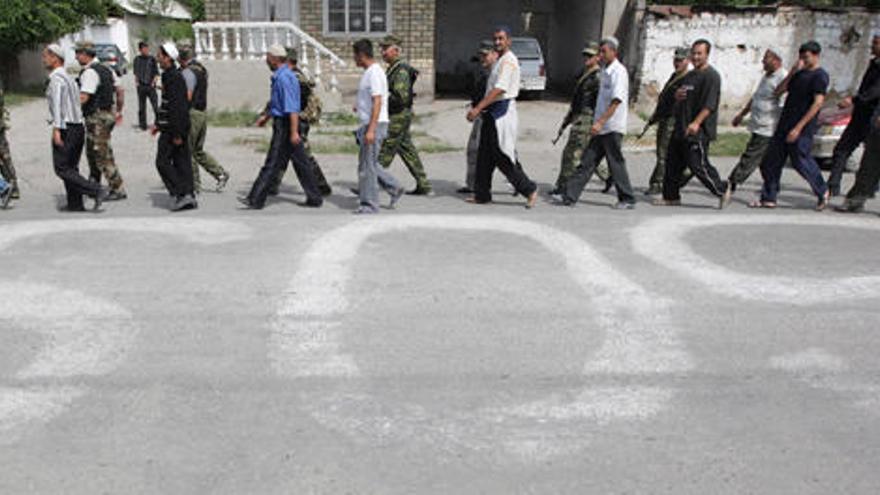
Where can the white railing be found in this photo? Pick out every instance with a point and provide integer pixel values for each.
(250, 40)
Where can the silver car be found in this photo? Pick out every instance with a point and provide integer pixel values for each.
(533, 74)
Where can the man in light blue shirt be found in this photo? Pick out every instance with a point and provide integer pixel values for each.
(287, 144)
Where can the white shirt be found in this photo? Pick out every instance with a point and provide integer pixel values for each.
(767, 107)
(613, 85)
(373, 83)
(63, 97)
(505, 76)
(89, 79)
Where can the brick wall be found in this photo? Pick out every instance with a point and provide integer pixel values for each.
(223, 10)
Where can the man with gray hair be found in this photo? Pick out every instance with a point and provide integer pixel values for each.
(68, 132)
(607, 133)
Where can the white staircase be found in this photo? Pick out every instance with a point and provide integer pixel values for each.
(250, 40)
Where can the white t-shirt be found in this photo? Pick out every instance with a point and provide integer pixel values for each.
(89, 80)
(767, 107)
(505, 76)
(373, 83)
(613, 85)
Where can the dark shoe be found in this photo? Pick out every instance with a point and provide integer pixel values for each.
(103, 194)
(182, 203)
(666, 202)
(559, 199)
(464, 190)
(116, 196)
(833, 191)
(355, 191)
(221, 182)
(311, 204)
(16, 195)
(247, 203)
(325, 190)
(849, 207)
(395, 198)
(5, 197)
(420, 191)
(654, 191)
(78, 209)
(608, 185)
(365, 210)
(623, 205)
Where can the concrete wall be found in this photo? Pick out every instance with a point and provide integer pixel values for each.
(740, 39)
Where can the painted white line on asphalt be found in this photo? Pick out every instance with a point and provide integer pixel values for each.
(663, 241)
(84, 335)
(807, 361)
(639, 338)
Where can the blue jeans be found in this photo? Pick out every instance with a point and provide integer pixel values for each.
(371, 176)
(800, 153)
(3, 185)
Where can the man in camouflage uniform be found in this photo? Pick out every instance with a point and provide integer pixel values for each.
(401, 77)
(310, 115)
(665, 120)
(6, 168)
(98, 83)
(580, 117)
(196, 77)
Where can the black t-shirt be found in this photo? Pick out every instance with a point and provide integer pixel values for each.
(802, 90)
(704, 91)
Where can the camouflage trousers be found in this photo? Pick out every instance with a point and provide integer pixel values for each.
(200, 158)
(99, 151)
(6, 168)
(665, 128)
(399, 142)
(578, 140)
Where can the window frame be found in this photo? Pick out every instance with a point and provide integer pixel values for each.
(360, 34)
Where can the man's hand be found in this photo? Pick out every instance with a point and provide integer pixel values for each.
(597, 127)
(118, 118)
(737, 120)
(793, 135)
(473, 114)
(798, 66)
(681, 94)
(693, 129)
(154, 130)
(177, 141)
(845, 103)
(56, 138)
(261, 120)
(295, 138)
(370, 136)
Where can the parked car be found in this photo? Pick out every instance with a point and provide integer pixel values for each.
(832, 123)
(110, 54)
(533, 74)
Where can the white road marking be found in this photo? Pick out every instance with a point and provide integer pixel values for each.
(662, 241)
(85, 335)
(639, 336)
(807, 361)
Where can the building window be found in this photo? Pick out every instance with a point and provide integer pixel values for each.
(357, 17)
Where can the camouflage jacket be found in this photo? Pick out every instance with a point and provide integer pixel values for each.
(401, 78)
(666, 99)
(585, 94)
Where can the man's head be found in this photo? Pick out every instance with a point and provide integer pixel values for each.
(167, 55)
(502, 39)
(53, 57)
(363, 53)
(875, 45)
(700, 51)
(772, 61)
(809, 54)
(144, 48)
(608, 49)
(292, 57)
(681, 59)
(390, 46)
(185, 55)
(276, 56)
(85, 52)
(590, 54)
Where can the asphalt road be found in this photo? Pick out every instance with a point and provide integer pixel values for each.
(438, 348)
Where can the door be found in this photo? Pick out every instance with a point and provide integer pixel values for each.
(270, 10)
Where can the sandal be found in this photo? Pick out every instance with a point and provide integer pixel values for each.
(758, 203)
(823, 201)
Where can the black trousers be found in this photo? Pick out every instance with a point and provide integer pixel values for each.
(174, 163)
(868, 175)
(490, 157)
(323, 185)
(281, 151)
(65, 160)
(146, 93)
(691, 153)
(854, 135)
(605, 146)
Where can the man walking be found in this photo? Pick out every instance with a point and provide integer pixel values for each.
(696, 123)
(286, 144)
(500, 125)
(7, 170)
(5, 194)
(173, 158)
(765, 108)
(607, 133)
(863, 105)
(372, 112)
(146, 74)
(401, 78)
(806, 85)
(664, 117)
(98, 85)
(485, 58)
(868, 176)
(68, 132)
(196, 77)
(580, 118)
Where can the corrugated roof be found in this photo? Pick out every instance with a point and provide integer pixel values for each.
(174, 11)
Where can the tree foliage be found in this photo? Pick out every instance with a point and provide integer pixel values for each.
(28, 23)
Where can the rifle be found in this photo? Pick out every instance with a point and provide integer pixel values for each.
(562, 128)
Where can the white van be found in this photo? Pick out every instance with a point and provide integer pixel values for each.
(533, 74)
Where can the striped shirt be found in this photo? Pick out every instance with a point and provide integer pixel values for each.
(63, 97)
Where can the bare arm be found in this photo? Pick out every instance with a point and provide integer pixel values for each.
(120, 99)
(294, 129)
(809, 116)
(600, 122)
(370, 136)
(742, 113)
(490, 98)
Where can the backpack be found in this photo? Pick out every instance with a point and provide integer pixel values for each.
(310, 102)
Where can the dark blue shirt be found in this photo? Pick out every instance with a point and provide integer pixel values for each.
(802, 90)
(285, 93)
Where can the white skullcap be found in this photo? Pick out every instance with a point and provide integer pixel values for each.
(56, 50)
(170, 50)
(277, 50)
(611, 42)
